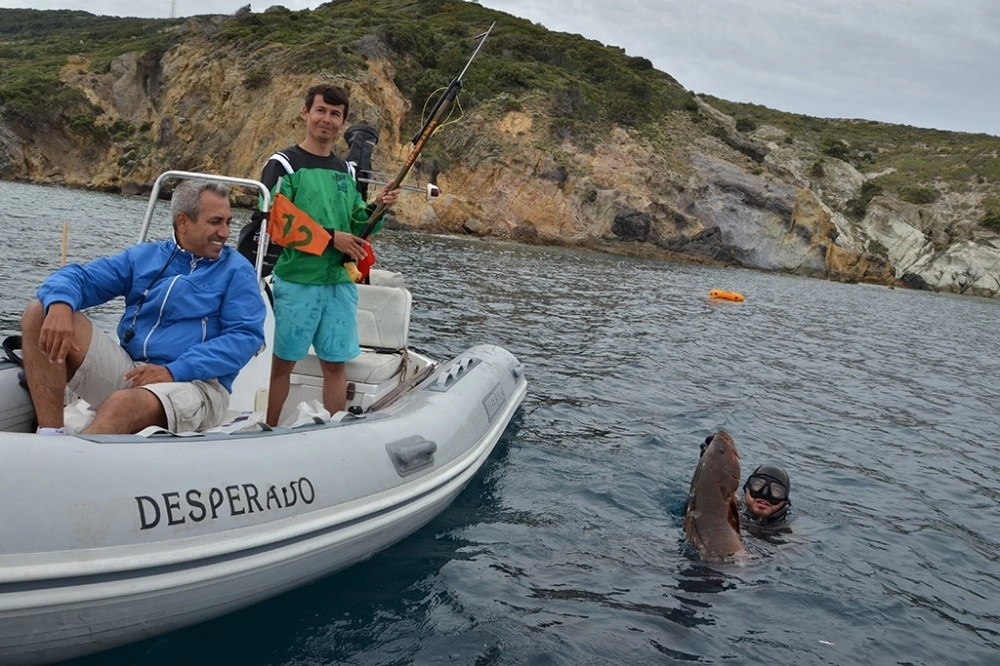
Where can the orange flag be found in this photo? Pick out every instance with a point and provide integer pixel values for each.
(290, 226)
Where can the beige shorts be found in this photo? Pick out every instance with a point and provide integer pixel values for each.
(189, 406)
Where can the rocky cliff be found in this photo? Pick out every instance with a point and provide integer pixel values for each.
(706, 191)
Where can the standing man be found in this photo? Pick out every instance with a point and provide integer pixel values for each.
(315, 300)
(193, 318)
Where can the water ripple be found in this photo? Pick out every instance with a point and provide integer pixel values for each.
(568, 547)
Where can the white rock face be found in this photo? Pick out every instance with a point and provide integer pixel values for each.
(963, 267)
(915, 246)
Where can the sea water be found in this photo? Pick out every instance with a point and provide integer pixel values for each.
(568, 547)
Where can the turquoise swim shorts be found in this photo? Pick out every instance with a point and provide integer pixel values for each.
(322, 315)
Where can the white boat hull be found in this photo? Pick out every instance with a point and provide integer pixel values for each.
(111, 539)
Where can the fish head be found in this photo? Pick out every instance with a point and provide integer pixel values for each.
(721, 461)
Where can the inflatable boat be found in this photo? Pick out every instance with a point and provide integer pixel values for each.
(109, 539)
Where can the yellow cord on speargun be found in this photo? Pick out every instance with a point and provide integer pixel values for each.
(439, 113)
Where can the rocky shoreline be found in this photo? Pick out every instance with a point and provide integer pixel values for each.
(715, 194)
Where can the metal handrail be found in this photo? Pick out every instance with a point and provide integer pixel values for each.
(247, 182)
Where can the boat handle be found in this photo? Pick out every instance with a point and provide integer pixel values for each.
(448, 377)
(411, 454)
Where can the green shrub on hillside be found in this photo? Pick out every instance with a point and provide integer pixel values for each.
(36, 99)
(257, 77)
(916, 194)
(858, 206)
(412, 39)
(85, 124)
(991, 220)
(836, 148)
(878, 248)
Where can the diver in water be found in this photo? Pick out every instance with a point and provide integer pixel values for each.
(766, 499)
(765, 495)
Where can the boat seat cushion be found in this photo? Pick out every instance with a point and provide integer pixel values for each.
(369, 368)
(383, 317)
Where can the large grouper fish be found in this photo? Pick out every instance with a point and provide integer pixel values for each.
(712, 517)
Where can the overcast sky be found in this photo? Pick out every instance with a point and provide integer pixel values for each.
(927, 63)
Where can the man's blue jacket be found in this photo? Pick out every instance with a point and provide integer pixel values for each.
(201, 318)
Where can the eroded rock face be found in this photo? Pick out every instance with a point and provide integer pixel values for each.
(920, 244)
(11, 151)
(718, 196)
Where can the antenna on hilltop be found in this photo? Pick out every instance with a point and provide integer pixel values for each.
(173, 8)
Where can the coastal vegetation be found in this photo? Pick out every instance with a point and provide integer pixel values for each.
(562, 139)
(590, 87)
(585, 87)
(913, 164)
(35, 45)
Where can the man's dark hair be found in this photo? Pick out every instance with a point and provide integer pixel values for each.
(332, 95)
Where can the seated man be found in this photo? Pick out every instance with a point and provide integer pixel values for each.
(765, 495)
(193, 318)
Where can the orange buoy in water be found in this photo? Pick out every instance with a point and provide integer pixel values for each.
(725, 295)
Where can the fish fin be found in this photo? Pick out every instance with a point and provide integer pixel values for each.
(734, 516)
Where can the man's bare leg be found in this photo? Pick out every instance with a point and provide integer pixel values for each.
(47, 374)
(281, 378)
(334, 386)
(128, 411)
